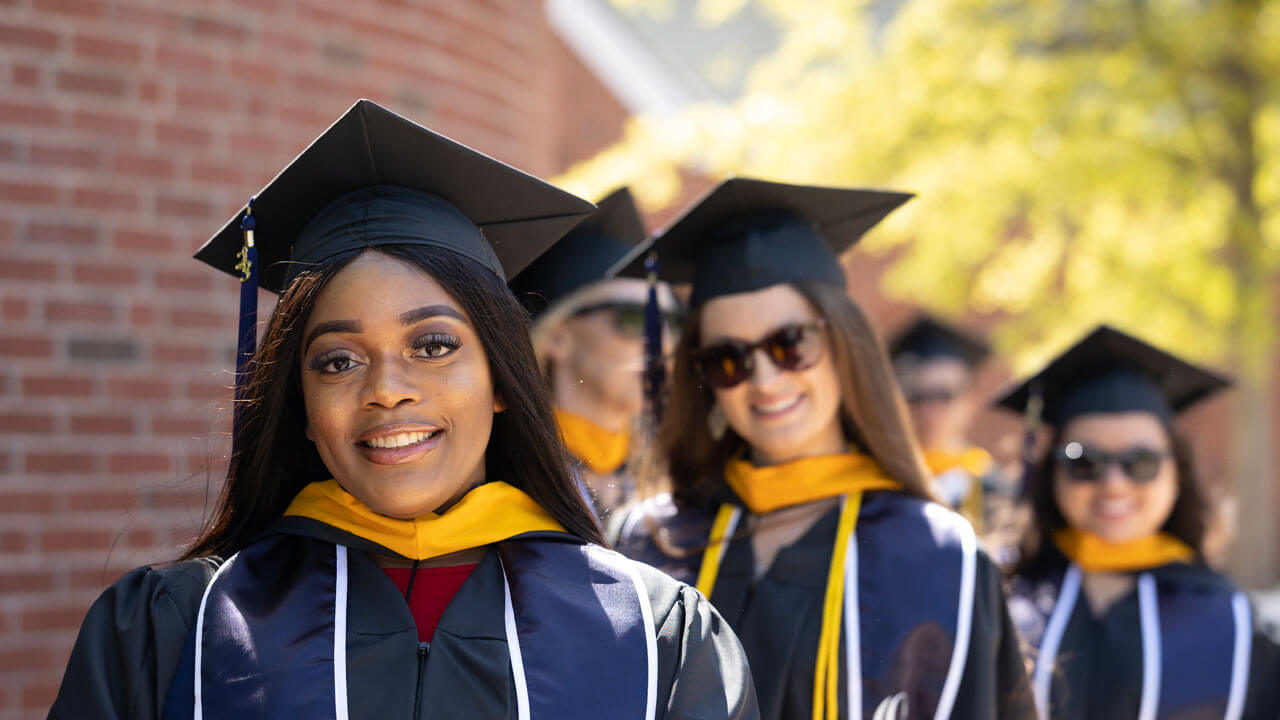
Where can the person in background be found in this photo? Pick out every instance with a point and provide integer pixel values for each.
(399, 536)
(801, 507)
(935, 365)
(1121, 615)
(588, 333)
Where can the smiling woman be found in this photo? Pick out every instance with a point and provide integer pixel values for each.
(399, 535)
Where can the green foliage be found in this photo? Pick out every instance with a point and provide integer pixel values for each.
(1077, 161)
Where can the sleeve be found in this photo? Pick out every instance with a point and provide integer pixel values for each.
(702, 670)
(129, 644)
(995, 683)
(1263, 698)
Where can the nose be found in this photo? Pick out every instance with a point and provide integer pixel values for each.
(765, 371)
(388, 385)
(1113, 476)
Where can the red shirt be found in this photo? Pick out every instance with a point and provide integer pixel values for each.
(433, 588)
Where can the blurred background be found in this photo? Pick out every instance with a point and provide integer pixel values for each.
(1077, 161)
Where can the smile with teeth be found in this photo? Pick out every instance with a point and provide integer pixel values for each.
(400, 440)
(776, 406)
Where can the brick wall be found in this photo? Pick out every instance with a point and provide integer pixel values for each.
(129, 131)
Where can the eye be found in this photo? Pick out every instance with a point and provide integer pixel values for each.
(434, 346)
(332, 363)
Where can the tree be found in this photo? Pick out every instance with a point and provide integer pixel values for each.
(1077, 161)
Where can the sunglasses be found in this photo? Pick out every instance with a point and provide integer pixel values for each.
(628, 317)
(793, 347)
(931, 397)
(1088, 464)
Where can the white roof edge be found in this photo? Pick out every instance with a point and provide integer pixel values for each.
(617, 57)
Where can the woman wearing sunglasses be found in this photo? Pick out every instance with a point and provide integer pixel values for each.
(1123, 618)
(801, 505)
(399, 536)
(588, 333)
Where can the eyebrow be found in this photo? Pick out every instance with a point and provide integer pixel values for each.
(411, 317)
(429, 311)
(333, 326)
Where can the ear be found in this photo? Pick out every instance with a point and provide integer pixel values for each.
(307, 432)
(499, 404)
(559, 343)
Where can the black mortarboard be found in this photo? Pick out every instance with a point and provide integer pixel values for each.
(746, 235)
(586, 255)
(1111, 372)
(376, 178)
(927, 338)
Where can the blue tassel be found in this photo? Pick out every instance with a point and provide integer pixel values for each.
(1031, 419)
(655, 367)
(247, 339)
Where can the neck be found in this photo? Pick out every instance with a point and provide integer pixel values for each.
(830, 441)
(575, 397)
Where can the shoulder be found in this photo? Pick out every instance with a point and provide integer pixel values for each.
(916, 525)
(173, 590)
(665, 534)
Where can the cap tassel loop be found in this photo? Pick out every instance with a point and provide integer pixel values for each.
(1031, 419)
(247, 339)
(655, 367)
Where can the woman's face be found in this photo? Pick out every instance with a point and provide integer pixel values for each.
(398, 394)
(782, 414)
(1115, 507)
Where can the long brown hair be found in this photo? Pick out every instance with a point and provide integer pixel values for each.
(1188, 521)
(275, 460)
(872, 411)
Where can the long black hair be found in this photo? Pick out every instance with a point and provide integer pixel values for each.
(275, 460)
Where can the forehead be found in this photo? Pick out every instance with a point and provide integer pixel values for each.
(751, 315)
(376, 287)
(1116, 430)
(940, 371)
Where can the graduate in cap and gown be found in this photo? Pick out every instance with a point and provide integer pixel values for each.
(1122, 618)
(801, 506)
(935, 365)
(588, 334)
(399, 536)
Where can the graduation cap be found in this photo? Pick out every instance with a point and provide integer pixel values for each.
(376, 178)
(928, 338)
(584, 256)
(1111, 372)
(747, 234)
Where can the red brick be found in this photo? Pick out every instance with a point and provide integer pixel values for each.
(25, 347)
(104, 199)
(117, 127)
(56, 386)
(91, 83)
(62, 156)
(151, 389)
(13, 542)
(98, 47)
(142, 315)
(182, 317)
(13, 35)
(180, 499)
(175, 425)
(27, 193)
(13, 659)
(145, 240)
(140, 537)
(139, 463)
(146, 166)
(172, 57)
(82, 500)
(137, 15)
(173, 353)
(69, 311)
(39, 233)
(17, 422)
(197, 99)
(252, 74)
(37, 697)
(27, 76)
(27, 114)
(231, 175)
(21, 502)
(12, 308)
(195, 208)
(218, 29)
(58, 463)
(41, 272)
(184, 281)
(78, 539)
(79, 8)
(183, 135)
(15, 581)
(101, 424)
(209, 391)
(8, 151)
(100, 273)
(52, 618)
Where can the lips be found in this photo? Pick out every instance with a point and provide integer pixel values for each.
(398, 444)
(774, 408)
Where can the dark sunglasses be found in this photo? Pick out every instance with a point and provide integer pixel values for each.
(628, 317)
(792, 347)
(1089, 464)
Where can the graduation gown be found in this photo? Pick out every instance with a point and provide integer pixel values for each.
(1189, 620)
(126, 660)
(907, 642)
